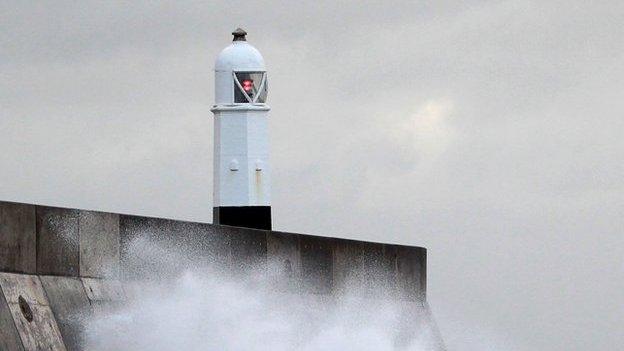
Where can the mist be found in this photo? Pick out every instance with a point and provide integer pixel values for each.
(185, 302)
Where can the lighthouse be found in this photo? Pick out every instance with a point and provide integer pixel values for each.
(242, 176)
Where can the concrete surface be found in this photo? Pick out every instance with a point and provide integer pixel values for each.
(319, 265)
(93, 244)
(284, 260)
(103, 293)
(72, 250)
(317, 273)
(58, 241)
(9, 337)
(68, 301)
(31, 312)
(17, 238)
(99, 244)
(77, 242)
(411, 272)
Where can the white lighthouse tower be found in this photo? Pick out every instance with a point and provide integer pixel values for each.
(242, 188)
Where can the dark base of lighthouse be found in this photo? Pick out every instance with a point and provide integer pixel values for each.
(257, 217)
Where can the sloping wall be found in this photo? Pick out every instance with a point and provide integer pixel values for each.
(45, 312)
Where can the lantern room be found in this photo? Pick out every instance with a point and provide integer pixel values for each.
(240, 74)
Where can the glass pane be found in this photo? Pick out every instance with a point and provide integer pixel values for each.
(250, 82)
(263, 94)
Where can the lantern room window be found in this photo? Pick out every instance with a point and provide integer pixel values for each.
(250, 87)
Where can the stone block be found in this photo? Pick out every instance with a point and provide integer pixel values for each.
(248, 248)
(374, 273)
(71, 308)
(17, 238)
(347, 266)
(99, 244)
(77, 242)
(103, 294)
(147, 244)
(58, 241)
(9, 337)
(284, 260)
(411, 272)
(316, 264)
(31, 312)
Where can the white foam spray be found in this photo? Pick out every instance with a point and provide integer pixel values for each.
(205, 308)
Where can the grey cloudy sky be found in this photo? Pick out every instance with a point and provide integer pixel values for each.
(490, 132)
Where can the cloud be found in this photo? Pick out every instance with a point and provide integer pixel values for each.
(489, 132)
(430, 127)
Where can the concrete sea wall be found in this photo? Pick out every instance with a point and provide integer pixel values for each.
(58, 263)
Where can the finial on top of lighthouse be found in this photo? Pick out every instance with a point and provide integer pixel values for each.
(239, 34)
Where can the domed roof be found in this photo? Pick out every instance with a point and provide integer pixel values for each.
(240, 55)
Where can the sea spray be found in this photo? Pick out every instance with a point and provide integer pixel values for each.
(201, 306)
